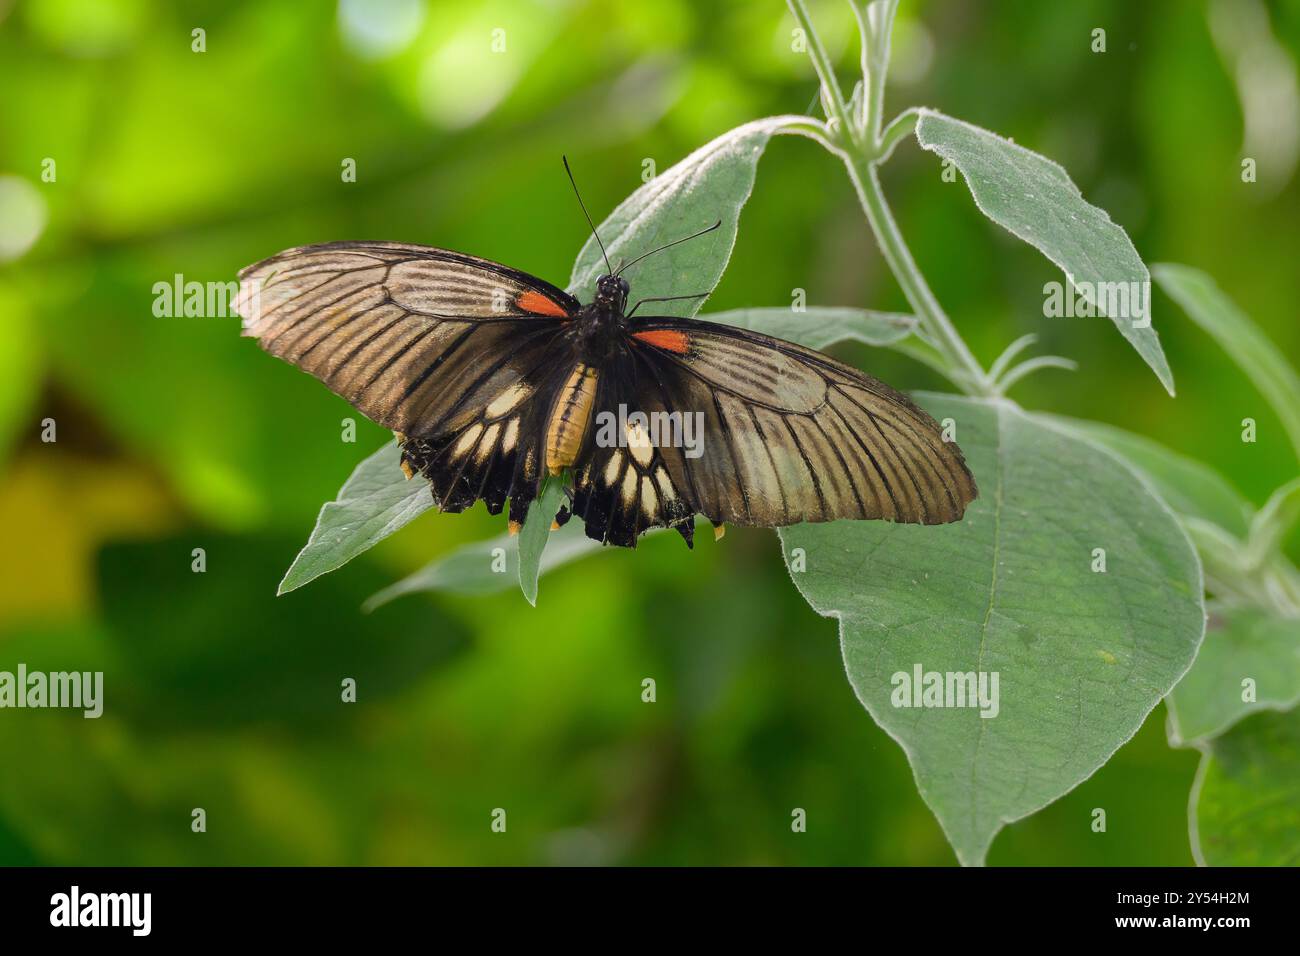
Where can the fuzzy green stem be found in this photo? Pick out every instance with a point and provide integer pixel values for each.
(937, 326)
(837, 107)
(876, 24)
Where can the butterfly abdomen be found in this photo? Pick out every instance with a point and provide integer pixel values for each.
(569, 419)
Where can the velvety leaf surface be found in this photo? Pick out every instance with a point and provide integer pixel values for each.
(1082, 656)
(374, 502)
(1191, 488)
(711, 184)
(1035, 199)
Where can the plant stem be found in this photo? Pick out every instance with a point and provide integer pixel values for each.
(934, 322)
(838, 109)
(875, 32)
(863, 146)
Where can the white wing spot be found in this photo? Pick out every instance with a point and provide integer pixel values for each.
(467, 440)
(489, 439)
(612, 469)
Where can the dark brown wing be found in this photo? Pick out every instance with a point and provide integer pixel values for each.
(789, 435)
(454, 352)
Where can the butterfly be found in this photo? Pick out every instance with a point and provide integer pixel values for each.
(495, 380)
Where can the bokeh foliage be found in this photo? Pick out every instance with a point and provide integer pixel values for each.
(175, 433)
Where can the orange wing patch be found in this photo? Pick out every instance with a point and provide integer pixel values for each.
(670, 340)
(538, 304)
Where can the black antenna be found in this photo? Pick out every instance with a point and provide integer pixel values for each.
(667, 245)
(667, 298)
(585, 213)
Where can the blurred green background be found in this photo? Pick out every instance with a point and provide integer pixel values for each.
(175, 433)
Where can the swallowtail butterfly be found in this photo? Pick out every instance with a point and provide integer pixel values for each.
(493, 379)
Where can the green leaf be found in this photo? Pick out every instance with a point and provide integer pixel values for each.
(1082, 657)
(488, 567)
(1035, 199)
(711, 184)
(1190, 487)
(535, 534)
(1242, 643)
(1237, 335)
(821, 326)
(374, 502)
(1245, 805)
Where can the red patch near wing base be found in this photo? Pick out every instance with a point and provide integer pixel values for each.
(538, 304)
(670, 340)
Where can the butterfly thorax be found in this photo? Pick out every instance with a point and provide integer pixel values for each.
(599, 334)
(600, 328)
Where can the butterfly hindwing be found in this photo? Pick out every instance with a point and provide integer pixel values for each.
(493, 447)
(621, 484)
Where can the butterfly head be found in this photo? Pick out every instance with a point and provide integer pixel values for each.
(611, 293)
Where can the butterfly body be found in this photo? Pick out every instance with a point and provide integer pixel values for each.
(494, 380)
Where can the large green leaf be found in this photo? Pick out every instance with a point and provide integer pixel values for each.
(1242, 644)
(374, 502)
(1245, 806)
(819, 327)
(711, 184)
(1035, 199)
(1237, 335)
(1190, 487)
(1082, 656)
